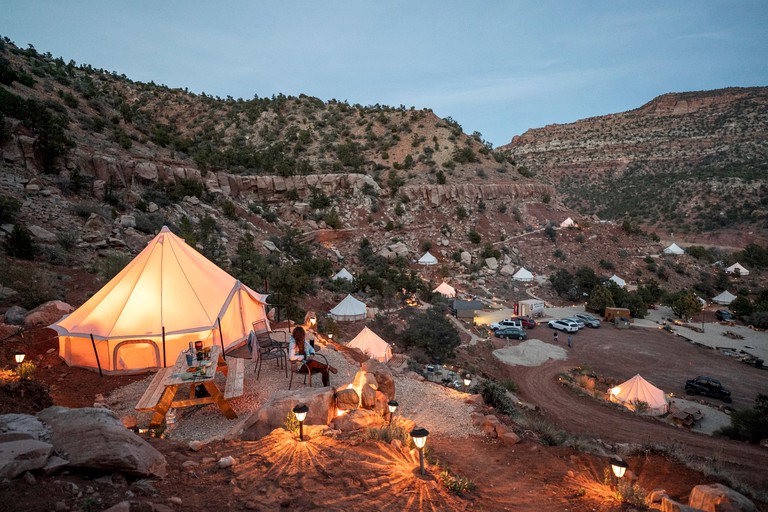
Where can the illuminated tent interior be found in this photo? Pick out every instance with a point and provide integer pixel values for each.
(445, 290)
(372, 345)
(637, 390)
(167, 296)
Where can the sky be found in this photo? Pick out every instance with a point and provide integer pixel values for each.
(496, 67)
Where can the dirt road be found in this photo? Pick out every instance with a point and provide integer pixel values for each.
(666, 361)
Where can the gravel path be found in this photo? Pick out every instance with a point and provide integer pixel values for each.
(439, 409)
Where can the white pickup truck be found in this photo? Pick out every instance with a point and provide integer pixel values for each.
(512, 322)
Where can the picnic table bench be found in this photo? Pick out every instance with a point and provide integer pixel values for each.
(160, 395)
(686, 417)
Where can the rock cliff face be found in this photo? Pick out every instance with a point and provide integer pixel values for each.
(706, 147)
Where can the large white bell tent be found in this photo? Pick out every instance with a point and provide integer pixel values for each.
(523, 275)
(674, 249)
(637, 393)
(737, 268)
(445, 290)
(724, 298)
(167, 296)
(372, 345)
(343, 274)
(349, 310)
(427, 259)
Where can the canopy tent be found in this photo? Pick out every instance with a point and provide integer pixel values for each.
(167, 296)
(724, 298)
(737, 268)
(343, 274)
(372, 345)
(567, 223)
(636, 391)
(446, 290)
(427, 259)
(619, 281)
(522, 275)
(349, 310)
(673, 249)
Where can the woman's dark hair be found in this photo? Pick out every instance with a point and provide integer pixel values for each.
(298, 335)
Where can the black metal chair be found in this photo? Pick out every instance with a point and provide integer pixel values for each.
(298, 366)
(268, 347)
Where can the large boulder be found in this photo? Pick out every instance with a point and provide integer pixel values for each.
(385, 382)
(22, 455)
(21, 426)
(347, 399)
(15, 315)
(368, 397)
(95, 438)
(358, 419)
(47, 313)
(717, 497)
(274, 412)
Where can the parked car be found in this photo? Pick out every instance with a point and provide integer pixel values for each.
(511, 332)
(512, 322)
(707, 386)
(588, 320)
(563, 325)
(528, 322)
(724, 315)
(579, 323)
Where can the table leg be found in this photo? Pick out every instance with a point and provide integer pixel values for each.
(219, 400)
(162, 406)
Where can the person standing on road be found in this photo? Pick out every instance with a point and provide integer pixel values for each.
(555, 336)
(570, 340)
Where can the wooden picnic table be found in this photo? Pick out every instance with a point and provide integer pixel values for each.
(160, 396)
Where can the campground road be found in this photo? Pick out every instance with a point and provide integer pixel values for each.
(584, 416)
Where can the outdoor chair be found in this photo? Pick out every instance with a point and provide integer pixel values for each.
(302, 368)
(268, 346)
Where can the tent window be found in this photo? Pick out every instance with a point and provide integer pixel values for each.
(136, 355)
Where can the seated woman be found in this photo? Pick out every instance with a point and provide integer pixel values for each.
(300, 352)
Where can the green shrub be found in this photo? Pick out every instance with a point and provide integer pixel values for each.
(456, 484)
(495, 395)
(291, 424)
(474, 236)
(149, 223)
(112, 264)
(9, 208)
(19, 243)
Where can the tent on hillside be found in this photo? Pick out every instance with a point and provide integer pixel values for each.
(673, 249)
(619, 281)
(637, 390)
(427, 259)
(343, 274)
(446, 290)
(567, 223)
(522, 275)
(372, 345)
(349, 310)
(169, 295)
(737, 268)
(724, 298)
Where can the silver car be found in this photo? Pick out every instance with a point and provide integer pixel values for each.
(588, 320)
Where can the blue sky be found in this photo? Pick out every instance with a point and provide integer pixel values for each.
(497, 67)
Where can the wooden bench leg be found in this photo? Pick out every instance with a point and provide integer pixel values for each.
(162, 406)
(219, 400)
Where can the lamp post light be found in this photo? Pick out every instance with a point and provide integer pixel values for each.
(419, 436)
(19, 357)
(301, 411)
(619, 467)
(392, 406)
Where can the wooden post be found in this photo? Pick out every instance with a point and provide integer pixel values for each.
(221, 340)
(98, 363)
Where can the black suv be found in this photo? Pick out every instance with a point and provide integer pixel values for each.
(724, 315)
(707, 386)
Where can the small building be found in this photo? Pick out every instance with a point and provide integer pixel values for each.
(465, 309)
(530, 307)
(612, 313)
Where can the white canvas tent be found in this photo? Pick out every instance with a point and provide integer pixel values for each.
(167, 296)
(343, 274)
(737, 268)
(636, 390)
(372, 345)
(522, 275)
(724, 298)
(673, 249)
(446, 290)
(427, 259)
(619, 281)
(349, 310)
(567, 223)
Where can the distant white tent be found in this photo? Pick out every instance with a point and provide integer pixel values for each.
(737, 268)
(523, 275)
(372, 345)
(619, 281)
(446, 290)
(724, 298)
(673, 249)
(427, 259)
(638, 391)
(349, 310)
(567, 223)
(343, 274)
